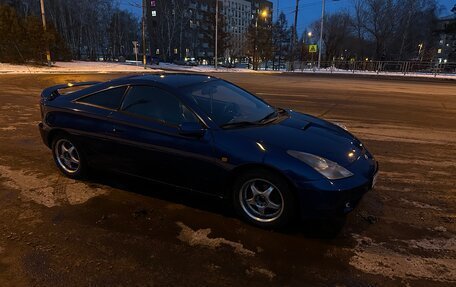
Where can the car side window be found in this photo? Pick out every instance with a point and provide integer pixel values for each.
(110, 98)
(156, 104)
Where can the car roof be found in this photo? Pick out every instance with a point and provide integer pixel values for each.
(173, 80)
(170, 80)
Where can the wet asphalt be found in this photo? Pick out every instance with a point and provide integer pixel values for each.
(112, 230)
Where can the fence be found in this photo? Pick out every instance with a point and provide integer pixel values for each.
(376, 67)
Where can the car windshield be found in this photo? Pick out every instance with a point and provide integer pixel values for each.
(228, 105)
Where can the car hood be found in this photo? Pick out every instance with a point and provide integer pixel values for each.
(305, 133)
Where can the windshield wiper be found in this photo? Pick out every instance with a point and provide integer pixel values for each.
(239, 124)
(270, 117)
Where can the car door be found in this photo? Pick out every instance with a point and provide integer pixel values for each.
(148, 143)
(91, 123)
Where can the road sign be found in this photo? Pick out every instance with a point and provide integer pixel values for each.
(313, 48)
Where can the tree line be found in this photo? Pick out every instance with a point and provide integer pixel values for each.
(95, 29)
(394, 30)
(83, 29)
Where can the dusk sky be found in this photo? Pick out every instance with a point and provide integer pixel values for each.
(309, 10)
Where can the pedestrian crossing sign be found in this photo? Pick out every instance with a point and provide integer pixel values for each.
(313, 48)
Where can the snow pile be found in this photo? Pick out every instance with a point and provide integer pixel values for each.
(136, 67)
(208, 69)
(374, 73)
(74, 67)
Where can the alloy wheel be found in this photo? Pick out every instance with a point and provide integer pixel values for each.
(67, 156)
(261, 200)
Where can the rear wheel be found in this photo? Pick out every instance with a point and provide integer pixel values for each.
(264, 199)
(68, 157)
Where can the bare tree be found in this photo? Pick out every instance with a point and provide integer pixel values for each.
(337, 29)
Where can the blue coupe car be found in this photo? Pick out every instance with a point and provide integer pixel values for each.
(204, 134)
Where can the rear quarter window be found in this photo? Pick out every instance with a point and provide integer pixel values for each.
(109, 99)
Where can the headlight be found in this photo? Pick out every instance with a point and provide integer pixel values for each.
(327, 168)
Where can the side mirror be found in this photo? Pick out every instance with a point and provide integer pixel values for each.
(191, 129)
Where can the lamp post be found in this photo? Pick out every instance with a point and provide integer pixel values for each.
(216, 33)
(321, 32)
(322, 22)
(309, 35)
(263, 14)
(420, 48)
(144, 32)
(293, 36)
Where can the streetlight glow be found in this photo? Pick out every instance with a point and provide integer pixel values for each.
(309, 34)
(264, 13)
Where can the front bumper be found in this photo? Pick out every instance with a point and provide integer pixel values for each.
(44, 132)
(334, 198)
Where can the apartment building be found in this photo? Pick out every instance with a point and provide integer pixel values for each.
(181, 29)
(446, 48)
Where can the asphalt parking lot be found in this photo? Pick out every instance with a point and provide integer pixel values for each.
(116, 231)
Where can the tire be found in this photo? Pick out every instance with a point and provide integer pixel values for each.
(264, 199)
(68, 156)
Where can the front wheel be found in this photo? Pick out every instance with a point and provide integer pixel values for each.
(264, 199)
(68, 157)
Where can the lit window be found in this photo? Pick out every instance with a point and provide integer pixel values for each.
(154, 13)
(439, 51)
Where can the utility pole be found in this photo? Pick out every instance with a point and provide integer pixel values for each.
(255, 43)
(143, 32)
(293, 37)
(43, 18)
(216, 32)
(321, 33)
(278, 2)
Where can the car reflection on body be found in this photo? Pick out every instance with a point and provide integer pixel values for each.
(204, 134)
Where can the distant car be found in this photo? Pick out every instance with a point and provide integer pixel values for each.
(191, 63)
(180, 62)
(228, 65)
(186, 62)
(204, 134)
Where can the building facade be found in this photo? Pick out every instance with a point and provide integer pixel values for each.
(238, 15)
(185, 29)
(446, 48)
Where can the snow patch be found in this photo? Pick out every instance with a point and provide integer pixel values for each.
(200, 238)
(437, 244)
(8, 128)
(74, 67)
(375, 258)
(421, 205)
(261, 271)
(49, 191)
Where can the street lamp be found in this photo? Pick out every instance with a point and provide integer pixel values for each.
(309, 34)
(321, 31)
(420, 46)
(264, 14)
(216, 33)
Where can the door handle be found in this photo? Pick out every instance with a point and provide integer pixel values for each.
(116, 130)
